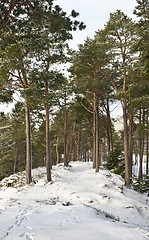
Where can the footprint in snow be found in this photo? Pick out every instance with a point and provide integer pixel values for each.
(29, 236)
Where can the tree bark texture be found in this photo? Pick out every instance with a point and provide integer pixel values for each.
(130, 143)
(127, 171)
(57, 151)
(97, 134)
(109, 130)
(28, 143)
(94, 131)
(48, 146)
(65, 132)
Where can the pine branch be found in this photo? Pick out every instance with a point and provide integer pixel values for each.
(5, 127)
(111, 79)
(86, 108)
(109, 95)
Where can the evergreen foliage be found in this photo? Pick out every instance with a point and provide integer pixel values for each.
(115, 161)
(112, 65)
(141, 185)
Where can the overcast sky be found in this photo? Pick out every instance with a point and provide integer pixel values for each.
(94, 13)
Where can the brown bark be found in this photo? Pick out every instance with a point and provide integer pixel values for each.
(48, 147)
(70, 146)
(15, 159)
(108, 127)
(101, 154)
(108, 139)
(127, 176)
(97, 134)
(28, 143)
(65, 132)
(130, 142)
(77, 143)
(94, 131)
(57, 151)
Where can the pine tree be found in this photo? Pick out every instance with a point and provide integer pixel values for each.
(120, 31)
(88, 64)
(26, 39)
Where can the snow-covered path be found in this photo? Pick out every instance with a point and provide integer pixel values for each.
(79, 204)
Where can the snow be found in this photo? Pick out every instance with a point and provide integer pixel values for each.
(78, 204)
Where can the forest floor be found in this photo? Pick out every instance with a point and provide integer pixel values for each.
(78, 204)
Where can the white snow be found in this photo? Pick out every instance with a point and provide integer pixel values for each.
(78, 204)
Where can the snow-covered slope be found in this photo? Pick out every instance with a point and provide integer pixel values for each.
(78, 204)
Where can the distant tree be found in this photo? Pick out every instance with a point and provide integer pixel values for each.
(87, 69)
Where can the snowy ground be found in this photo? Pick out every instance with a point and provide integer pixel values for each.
(79, 205)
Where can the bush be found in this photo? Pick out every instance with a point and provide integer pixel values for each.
(141, 184)
(115, 161)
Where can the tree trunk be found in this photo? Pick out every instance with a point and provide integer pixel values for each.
(28, 143)
(48, 147)
(130, 142)
(94, 131)
(88, 156)
(108, 139)
(57, 151)
(101, 153)
(85, 158)
(109, 130)
(111, 135)
(15, 159)
(78, 147)
(97, 134)
(141, 145)
(65, 132)
(147, 148)
(70, 149)
(74, 153)
(127, 171)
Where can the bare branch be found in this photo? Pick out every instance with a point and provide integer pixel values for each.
(5, 127)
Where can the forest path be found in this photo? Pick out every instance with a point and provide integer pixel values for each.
(79, 204)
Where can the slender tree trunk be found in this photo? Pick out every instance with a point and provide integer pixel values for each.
(85, 158)
(94, 131)
(15, 159)
(28, 143)
(65, 133)
(141, 145)
(147, 147)
(70, 148)
(130, 142)
(88, 156)
(108, 139)
(97, 134)
(78, 147)
(57, 151)
(74, 153)
(48, 146)
(127, 171)
(101, 153)
(108, 127)
(111, 135)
